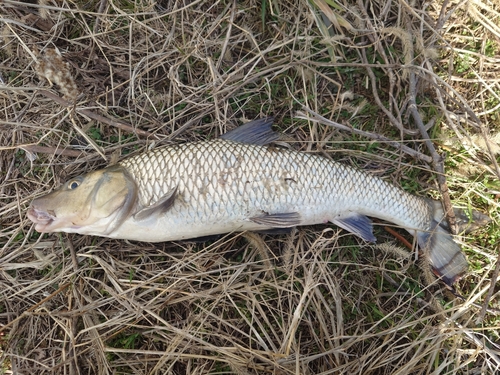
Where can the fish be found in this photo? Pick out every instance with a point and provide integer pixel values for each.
(241, 181)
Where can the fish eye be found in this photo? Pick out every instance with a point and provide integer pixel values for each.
(73, 184)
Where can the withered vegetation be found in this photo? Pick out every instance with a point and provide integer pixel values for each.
(369, 83)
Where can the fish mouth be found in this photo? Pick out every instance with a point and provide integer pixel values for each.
(42, 219)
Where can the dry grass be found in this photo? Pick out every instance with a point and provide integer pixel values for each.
(139, 74)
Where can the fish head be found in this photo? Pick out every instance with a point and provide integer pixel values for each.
(95, 203)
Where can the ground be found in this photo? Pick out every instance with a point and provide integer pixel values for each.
(86, 83)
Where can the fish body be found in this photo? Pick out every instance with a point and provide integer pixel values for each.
(239, 183)
(224, 186)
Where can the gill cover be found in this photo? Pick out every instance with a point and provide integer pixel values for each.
(95, 203)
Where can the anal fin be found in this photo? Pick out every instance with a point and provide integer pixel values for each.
(357, 224)
(280, 220)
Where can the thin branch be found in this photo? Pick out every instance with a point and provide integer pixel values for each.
(87, 112)
(51, 150)
(322, 120)
(493, 284)
(437, 160)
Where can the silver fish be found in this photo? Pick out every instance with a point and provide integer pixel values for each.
(238, 183)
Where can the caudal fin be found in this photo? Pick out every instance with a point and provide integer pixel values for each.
(447, 260)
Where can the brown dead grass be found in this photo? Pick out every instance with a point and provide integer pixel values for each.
(316, 301)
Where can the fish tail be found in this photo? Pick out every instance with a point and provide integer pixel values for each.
(445, 255)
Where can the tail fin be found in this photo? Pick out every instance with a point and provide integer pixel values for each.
(446, 257)
(466, 221)
(447, 260)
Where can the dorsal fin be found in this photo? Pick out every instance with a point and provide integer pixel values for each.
(257, 132)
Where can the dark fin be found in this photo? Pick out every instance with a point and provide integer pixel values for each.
(285, 220)
(357, 224)
(467, 221)
(159, 207)
(257, 132)
(276, 231)
(447, 260)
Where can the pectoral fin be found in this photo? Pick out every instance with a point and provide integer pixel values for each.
(159, 207)
(357, 224)
(282, 220)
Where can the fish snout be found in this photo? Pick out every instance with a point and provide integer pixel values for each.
(41, 218)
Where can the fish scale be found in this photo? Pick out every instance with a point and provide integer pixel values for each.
(229, 181)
